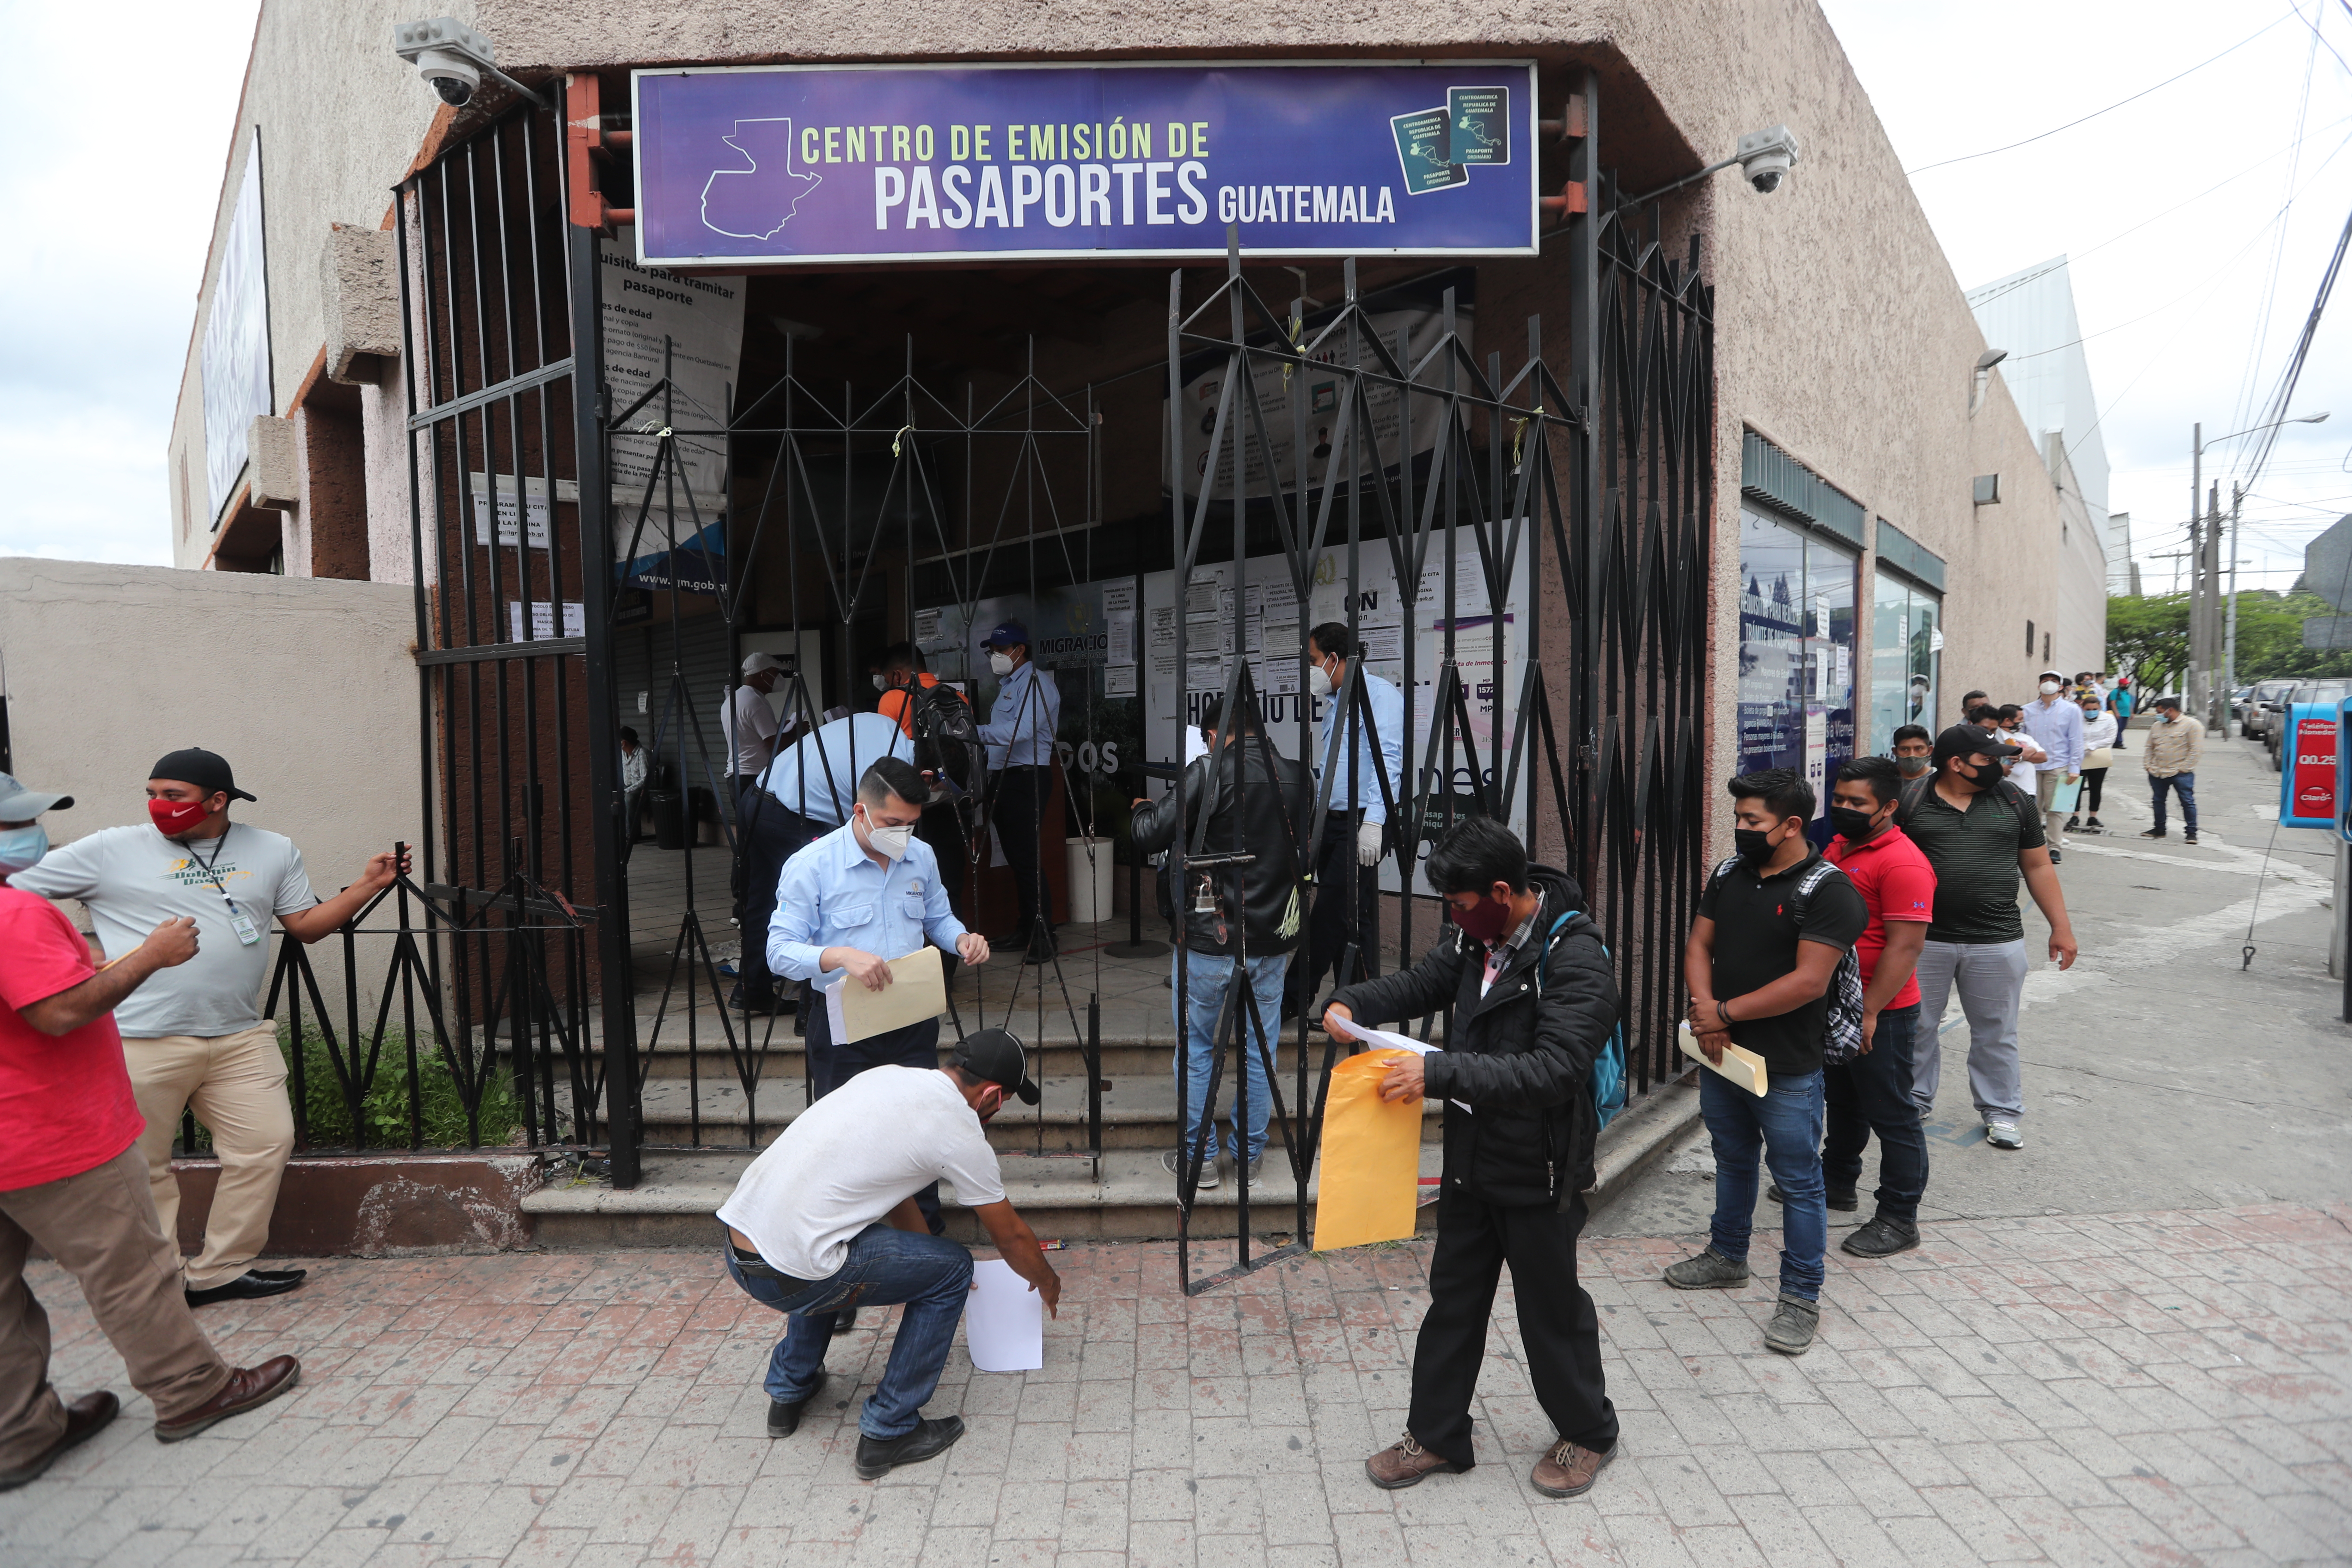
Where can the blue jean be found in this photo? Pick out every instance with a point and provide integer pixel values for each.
(1197, 1016)
(2184, 783)
(885, 1266)
(1871, 1094)
(1786, 1123)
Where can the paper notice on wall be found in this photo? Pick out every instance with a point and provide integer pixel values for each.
(1119, 631)
(928, 628)
(1817, 750)
(1163, 628)
(542, 620)
(1119, 598)
(1119, 680)
(1382, 644)
(510, 497)
(657, 322)
(1842, 675)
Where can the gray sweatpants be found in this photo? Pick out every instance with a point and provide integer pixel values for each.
(1991, 979)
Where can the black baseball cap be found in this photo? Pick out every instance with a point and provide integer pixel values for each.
(1972, 741)
(994, 1055)
(208, 770)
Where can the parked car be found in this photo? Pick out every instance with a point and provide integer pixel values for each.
(2331, 690)
(2266, 695)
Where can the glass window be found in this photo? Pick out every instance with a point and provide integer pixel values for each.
(1906, 648)
(1797, 644)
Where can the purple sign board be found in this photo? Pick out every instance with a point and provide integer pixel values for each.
(796, 165)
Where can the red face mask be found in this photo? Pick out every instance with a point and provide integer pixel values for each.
(173, 817)
(1483, 921)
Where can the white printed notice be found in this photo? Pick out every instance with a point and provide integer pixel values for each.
(542, 620)
(657, 322)
(1004, 1320)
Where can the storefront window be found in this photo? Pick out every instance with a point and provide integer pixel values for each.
(1906, 646)
(1796, 651)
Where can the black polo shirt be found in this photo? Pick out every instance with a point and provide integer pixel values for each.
(1759, 921)
(1975, 856)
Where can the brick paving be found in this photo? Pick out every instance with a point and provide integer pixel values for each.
(2158, 1388)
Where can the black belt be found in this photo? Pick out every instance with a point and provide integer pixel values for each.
(755, 1264)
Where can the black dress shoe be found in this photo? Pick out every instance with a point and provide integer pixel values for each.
(248, 1286)
(930, 1438)
(784, 1419)
(843, 1320)
(84, 1418)
(1845, 1203)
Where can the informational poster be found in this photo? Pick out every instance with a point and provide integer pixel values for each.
(1271, 624)
(1817, 753)
(513, 515)
(1408, 332)
(692, 328)
(542, 620)
(822, 164)
(237, 389)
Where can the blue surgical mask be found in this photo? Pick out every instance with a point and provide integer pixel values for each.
(21, 849)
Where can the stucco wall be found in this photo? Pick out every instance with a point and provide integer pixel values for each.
(305, 686)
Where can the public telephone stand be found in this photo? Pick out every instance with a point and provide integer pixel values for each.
(2315, 791)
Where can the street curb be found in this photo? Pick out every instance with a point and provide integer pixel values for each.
(1642, 1131)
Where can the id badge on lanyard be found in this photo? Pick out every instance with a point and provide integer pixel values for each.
(238, 921)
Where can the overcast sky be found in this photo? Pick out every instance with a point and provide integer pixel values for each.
(2192, 297)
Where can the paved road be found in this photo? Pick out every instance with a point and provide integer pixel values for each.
(2130, 1343)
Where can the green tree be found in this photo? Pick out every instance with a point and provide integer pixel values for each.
(2148, 638)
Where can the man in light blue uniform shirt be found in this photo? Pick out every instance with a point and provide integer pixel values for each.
(808, 788)
(864, 894)
(2055, 722)
(1019, 736)
(1355, 829)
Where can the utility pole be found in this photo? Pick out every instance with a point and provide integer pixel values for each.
(2196, 568)
(2229, 639)
(2212, 692)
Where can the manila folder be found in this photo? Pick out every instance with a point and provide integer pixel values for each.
(1371, 1158)
(918, 990)
(1741, 1065)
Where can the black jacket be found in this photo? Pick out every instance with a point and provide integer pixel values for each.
(1261, 821)
(1523, 1067)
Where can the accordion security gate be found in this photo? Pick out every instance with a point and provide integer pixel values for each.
(1590, 493)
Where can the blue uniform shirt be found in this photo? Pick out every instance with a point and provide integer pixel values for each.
(1387, 704)
(832, 894)
(1021, 726)
(817, 774)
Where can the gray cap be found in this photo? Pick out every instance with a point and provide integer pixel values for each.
(18, 803)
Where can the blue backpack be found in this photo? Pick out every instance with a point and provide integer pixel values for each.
(1608, 1082)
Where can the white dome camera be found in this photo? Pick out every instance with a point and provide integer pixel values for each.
(1766, 157)
(450, 56)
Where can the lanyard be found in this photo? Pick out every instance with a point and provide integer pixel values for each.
(238, 921)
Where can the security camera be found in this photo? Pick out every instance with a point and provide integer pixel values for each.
(1766, 157)
(450, 56)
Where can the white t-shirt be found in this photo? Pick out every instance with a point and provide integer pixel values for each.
(750, 727)
(134, 878)
(852, 1158)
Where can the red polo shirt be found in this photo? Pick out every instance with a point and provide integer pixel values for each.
(1897, 884)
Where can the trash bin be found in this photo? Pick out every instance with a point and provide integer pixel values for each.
(703, 815)
(669, 817)
(1090, 885)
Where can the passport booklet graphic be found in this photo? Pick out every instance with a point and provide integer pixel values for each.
(1437, 146)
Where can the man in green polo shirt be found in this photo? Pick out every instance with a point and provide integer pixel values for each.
(1980, 832)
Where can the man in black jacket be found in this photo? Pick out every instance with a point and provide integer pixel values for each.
(1532, 1002)
(1256, 801)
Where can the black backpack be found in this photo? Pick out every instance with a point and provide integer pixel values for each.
(1842, 1030)
(947, 743)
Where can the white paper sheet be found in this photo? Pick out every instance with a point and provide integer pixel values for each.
(1004, 1320)
(1348, 1030)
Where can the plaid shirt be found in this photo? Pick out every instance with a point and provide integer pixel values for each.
(1499, 955)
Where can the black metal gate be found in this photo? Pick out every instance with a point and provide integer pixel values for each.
(1590, 493)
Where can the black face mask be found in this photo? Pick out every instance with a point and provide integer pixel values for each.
(1854, 825)
(1753, 844)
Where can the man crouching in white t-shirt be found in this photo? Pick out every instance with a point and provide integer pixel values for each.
(826, 1220)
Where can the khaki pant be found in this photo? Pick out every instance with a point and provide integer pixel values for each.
(237, 1086)
(2054, 821)
(101, 1227)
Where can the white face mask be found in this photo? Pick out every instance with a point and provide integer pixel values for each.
(881, 683)
(1319, 682)
(891, 843)
(2049, 689)
(1002, 663)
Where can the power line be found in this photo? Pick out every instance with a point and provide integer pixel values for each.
(2134, 98)
(2285, 394)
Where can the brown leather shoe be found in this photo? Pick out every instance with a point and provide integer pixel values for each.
(84, 1418)
(247, 1387)
(1404, 1464)
(1569, 1470)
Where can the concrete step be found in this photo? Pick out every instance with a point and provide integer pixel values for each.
(1062, 1197)
(1139, 1112)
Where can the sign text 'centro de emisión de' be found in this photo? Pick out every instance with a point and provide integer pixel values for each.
(910, 163)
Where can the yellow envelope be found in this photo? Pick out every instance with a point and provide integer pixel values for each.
(1371, 1157)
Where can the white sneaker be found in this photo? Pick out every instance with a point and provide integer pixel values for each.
(2004, 1134)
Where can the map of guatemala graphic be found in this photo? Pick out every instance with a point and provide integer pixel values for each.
(755, 203)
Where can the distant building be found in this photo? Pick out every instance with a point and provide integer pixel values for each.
(2031, 314)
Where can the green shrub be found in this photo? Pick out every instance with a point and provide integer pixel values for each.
(384, 1107)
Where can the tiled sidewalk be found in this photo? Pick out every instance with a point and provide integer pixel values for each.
(2162, 1388)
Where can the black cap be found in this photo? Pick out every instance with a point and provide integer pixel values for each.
(994, 1055)
(208, 770)
(1972, 741)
